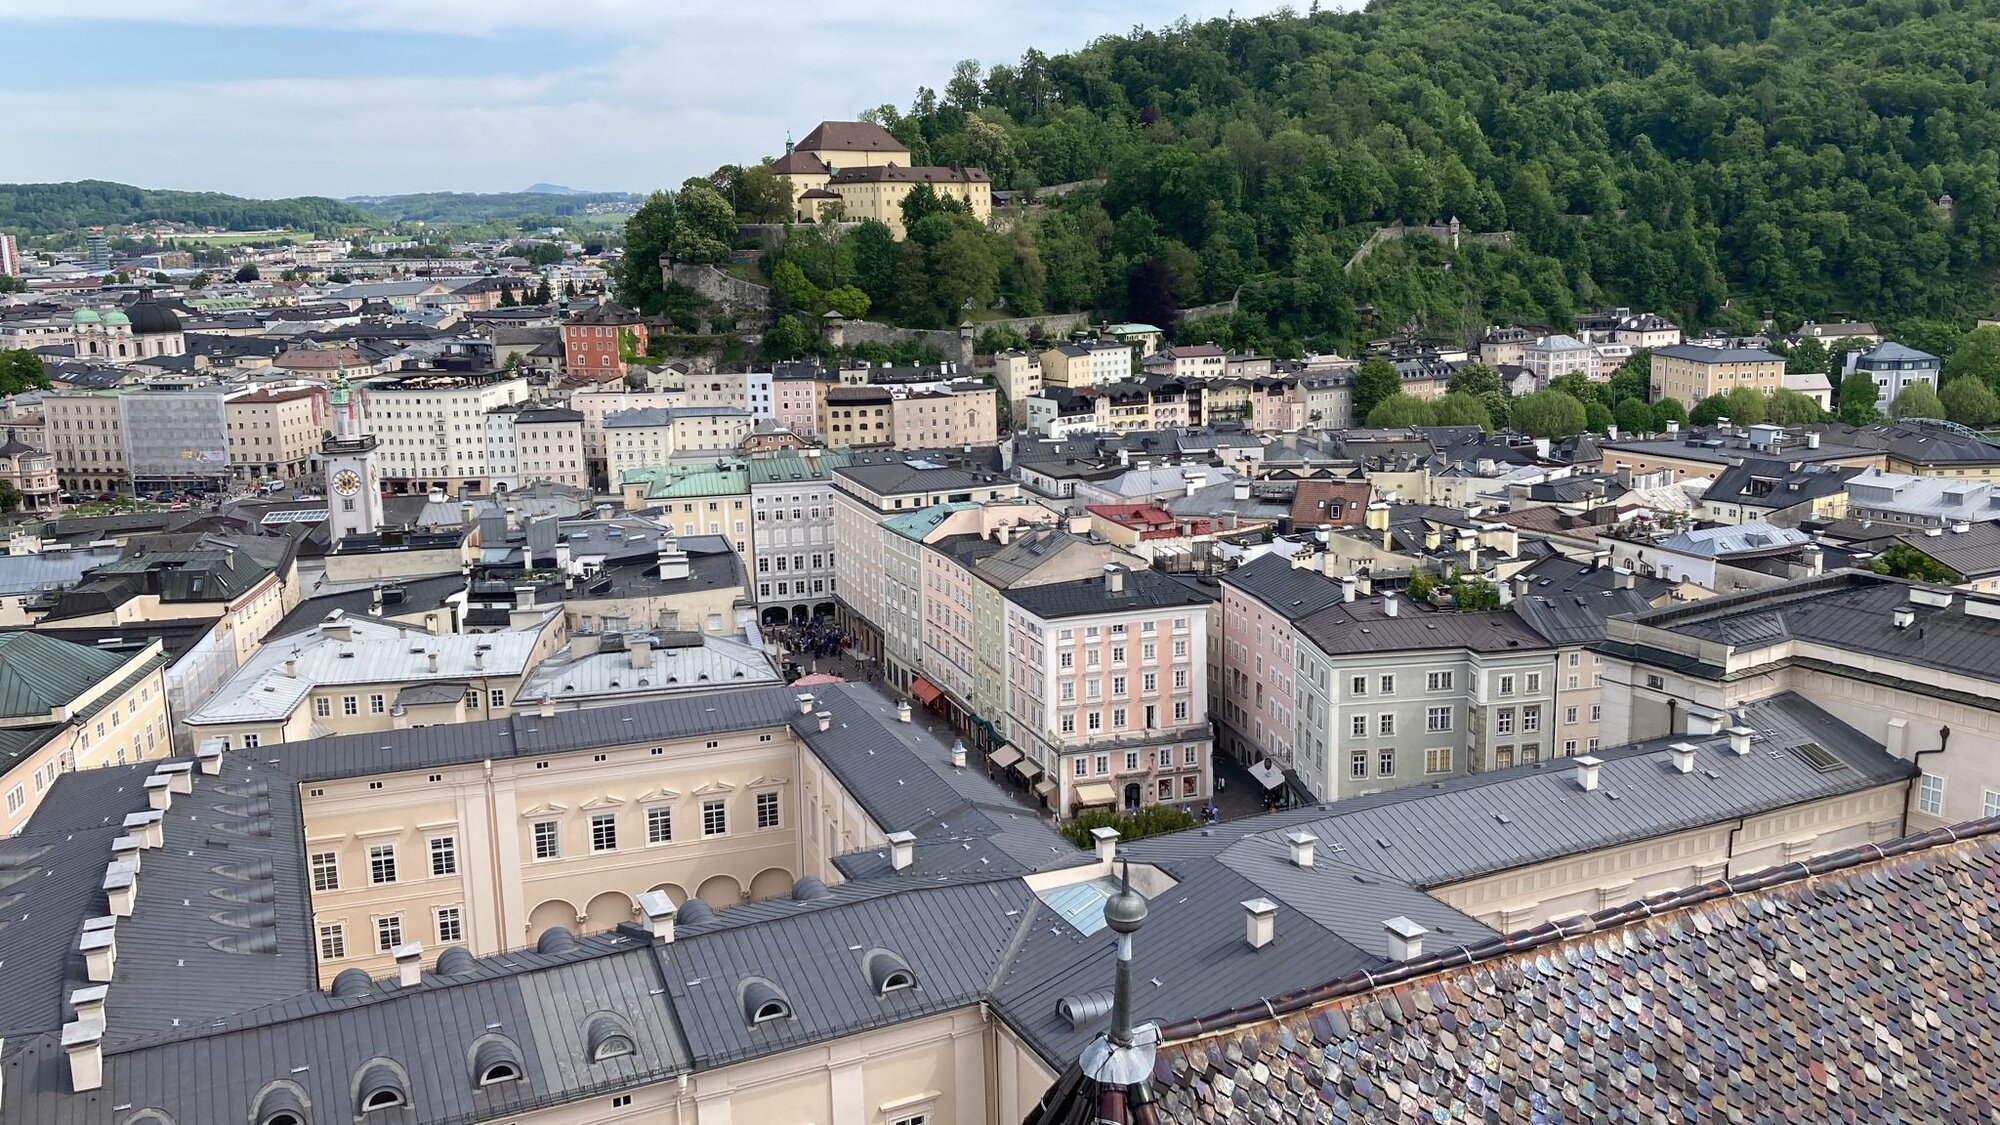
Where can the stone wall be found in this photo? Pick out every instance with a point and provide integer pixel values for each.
(733, 293)
(947, 343)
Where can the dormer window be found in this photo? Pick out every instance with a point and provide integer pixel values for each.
(763, 1003)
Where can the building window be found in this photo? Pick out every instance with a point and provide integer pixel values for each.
(1357, 764)
(1534, 682)
(1093, 721)
(1068, 724)
(496, 699)
(1437, 681)
(1437, 760)
(1503, 721)
(350, 705)
(382, 863)
(1385, 763)
(1180, 710)
(323, 707)
(659, 825)
(714, 818)
(548, 840)
(1655, 683)
(1357, 726)
(1569, 716)
(1503, 757)
(1531, 719)
(332, 941)
(1930, 795)
(1359, 686)
(604, 832)
(1506, 685)
(388, 932)
(1388, 685)
(767, 810)
(1596, 712)
(1079, 767)
(1131, 760)
(1385, 724)
(450, 925)
(1992, 804)
(326, 871)
(444, 855)
(1437, 719)
(377, 703)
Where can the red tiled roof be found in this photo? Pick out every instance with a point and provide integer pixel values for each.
(924, 175)
(1150, 520)
(850, 136)
(1331, 503)
(799, 163)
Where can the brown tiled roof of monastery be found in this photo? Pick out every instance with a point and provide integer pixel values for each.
(850, 136)
(925, 175)
(799, 162)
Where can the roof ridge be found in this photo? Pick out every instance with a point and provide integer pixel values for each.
(1549, 933)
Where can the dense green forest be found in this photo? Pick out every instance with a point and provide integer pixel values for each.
(40, 209)
(1715, 160)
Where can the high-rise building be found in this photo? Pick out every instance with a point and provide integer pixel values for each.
(10, 256)
(96, 249)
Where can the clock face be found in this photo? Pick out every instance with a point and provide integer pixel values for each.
(346, 482)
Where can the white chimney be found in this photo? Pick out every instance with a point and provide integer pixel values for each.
(1260, 922)
(1624, 578)
(659, 910)
(639, 651)
(409, 964)
(547, 709)
(805, 702)
(1347, 587)
(825, 719)
(1389, 604)
(1903, 617)
(958, 753)
(181, 774)
(1739, 740)
(291, 665)
(902, 711)
(1114, 579)
(121, 888)
(1242, 490)
(83, 1042)
(210, 756)
(1812, 440)
(88, 1003)
(146, 826)
(1682, 754)
(159, 792)
(1105, 840)
(1302, 847)
(99, 945)
(1702, 721)
(1406, 939)
(479, 659)
(1586, 772)
(902, 850)
(126, 850)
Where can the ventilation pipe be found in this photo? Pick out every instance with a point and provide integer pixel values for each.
(1105, 841)
(1389, 604)
(902, 711)
(1406, 939)
(125, 850)
(409, 964)
(1682, 754)
(1902, 617)
(659, 910)
(1302, 847)
(1260, 922)
(1114, 579)
(181, 774)
(902, 850)
(1348, 585)
(432, 661)
(1586, 772)
(88, 1003)
(159, 792)
(210, 757)
(958, 753)
(146, 826)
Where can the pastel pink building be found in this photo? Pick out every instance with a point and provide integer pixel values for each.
(1277, 405)
(1261, 600)
(795, 400)
(1107, 689)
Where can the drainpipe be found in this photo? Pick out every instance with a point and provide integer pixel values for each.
(1916, 759)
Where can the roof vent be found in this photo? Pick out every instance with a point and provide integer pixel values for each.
(1105, 842)
(693, 911)
(763, 1002)
(902, 712)
(555, 939)
(1302, 847)
(887, 972)
(83, 1042)
(1903, 617)
(349, 983)
(409, 964)
(495, 1060)
(805, 702)
(1682, 754)
(902, 850)
(1086, 1009)
(826, 718)
(1587, 768)
(606, 1035)
(1260, 919)
(1739, 740)
(1406, 939)
(381, 1086)
(807, 888)
(456, 961)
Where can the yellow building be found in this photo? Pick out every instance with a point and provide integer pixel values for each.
(1690, 373)
(878, 193)
(66, 707)
(863, 172)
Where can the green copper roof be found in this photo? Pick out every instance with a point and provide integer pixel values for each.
(39, 674)
(791, 465)
(915, 525)
(116, 317)
(84, 316)
(670, 482)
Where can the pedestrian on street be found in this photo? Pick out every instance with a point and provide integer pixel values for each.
(1221, 784)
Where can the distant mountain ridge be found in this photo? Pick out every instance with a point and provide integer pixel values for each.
(52, 208)
(556, 189)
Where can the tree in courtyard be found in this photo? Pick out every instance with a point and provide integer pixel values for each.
(1917, 401)
(1857, 397)
(1374, 380)
(1549, 414)
(1970, 402)
(1400, 410)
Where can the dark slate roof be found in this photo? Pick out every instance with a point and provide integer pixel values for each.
(1144, 589)
(1364, 626)
(1568, 602)
(1763, 482)
(1775, 993)
(1700, 354)
(418, 594)
(1972, 553)
(1290, 591)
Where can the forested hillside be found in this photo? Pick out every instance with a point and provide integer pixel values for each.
(1786, 156)
(54, 208)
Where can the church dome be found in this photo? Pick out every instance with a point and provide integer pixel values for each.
(84, 316)
(151, 317)
(114, 317)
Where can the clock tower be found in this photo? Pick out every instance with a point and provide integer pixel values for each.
(353, 483)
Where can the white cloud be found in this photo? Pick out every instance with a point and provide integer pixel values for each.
(677, 93)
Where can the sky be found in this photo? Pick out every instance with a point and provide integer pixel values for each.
(375, 97)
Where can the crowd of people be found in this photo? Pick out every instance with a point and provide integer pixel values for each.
(818, 639)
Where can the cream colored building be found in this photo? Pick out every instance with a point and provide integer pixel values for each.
(861, 171)
(275, 432)
(1090, 364)
(70, 708)
(1019, 376)
(431, 426)
(86, 433)
(960, 414)
(1690, 372)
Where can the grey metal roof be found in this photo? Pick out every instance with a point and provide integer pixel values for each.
(1290, 591)
(1701, 354)
(1973, 552)
(1772, 483)
(1364, 626)
(1568, 602)
(1144, 589)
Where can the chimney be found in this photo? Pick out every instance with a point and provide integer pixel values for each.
(181, 774)
(1624, 579)
(958, 753)
(1682, 754)
(1302, 847)
(1673, 428)
(159, 792)
(1241, 490)
(479, 659)
(1347, 587)
(88, 1003)
(1903, 617)
(1701, 720)
(1600, 558)
(1406, 939)
(1389, 604)
(1739, 740)
(902, 850)
(1812, 439)
(99, 946)
(805, 702)
(121, 888)
(432, 660)
(547, 710)
(291, 665)
(126, 850)
(826, 719)
(1105, 840)
(83, 1042)
(1114, 579)
(1586, 772)
(673, 561)
(639, 651)
(210, 756)
(1377, 518)
(1521, 586)
(1814, 558)
(409, 964)
(1260, 922)
(146, 826)
(902, 712)
(659, 910)
(1365, 584)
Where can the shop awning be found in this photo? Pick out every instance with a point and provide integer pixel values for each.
(1044, 787)
(1005, 756)
(925, 691)
(1096, 793)
(1267, 775)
